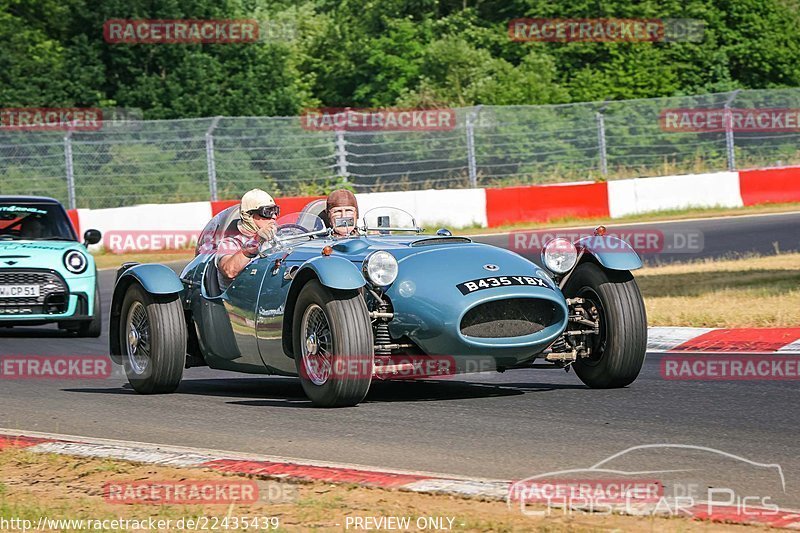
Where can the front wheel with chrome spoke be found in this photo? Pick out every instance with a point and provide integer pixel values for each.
(333, 345)
(153, 338)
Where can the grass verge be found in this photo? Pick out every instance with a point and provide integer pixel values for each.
(749, 292)
(657, 216)
(64, 487)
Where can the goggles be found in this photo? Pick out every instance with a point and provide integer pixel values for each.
(266, 211)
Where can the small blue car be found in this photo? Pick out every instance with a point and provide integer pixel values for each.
(386, 303)
(46, 274)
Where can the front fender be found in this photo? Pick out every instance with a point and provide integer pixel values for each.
(335, 272)
(154, 278)
(610, 251)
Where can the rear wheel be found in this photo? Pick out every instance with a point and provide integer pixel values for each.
(618, 351)
(153, 337)
(333, 345)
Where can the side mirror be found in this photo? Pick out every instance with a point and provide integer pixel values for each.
(92, 236)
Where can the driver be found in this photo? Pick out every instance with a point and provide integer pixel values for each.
(342, 211)
(258, 212)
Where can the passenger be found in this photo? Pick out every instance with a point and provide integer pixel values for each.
(258, 212)
(342, 213)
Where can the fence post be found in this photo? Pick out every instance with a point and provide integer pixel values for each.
(211, 162)
(471, 163)
(601, 138)
(729, 131)
(70, 169)
(341, 155)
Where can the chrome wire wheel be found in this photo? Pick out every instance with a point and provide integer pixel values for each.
(137, 338)
(317, 345)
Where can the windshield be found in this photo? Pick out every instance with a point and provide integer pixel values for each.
(388, 220)
(294, 229)
(34, 221)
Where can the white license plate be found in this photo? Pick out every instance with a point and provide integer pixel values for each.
(19, 291)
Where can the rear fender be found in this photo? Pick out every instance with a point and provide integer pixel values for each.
(154, 278)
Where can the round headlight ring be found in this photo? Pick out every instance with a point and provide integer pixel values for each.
(560, 255)
(380, 268)
(75, 262)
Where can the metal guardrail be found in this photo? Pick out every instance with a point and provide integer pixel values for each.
(134, 162)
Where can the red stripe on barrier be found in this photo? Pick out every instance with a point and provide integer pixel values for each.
(288, 204)
(76, 221)
(741, 340)
(221, 205)
(541, 203)
(770, 186)
(16, 441)
(312, 473)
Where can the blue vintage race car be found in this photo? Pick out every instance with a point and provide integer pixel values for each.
(387, 303)
(46, 275)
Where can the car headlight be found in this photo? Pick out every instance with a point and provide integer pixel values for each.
(559, 255)
(75, 262)
(381, 268)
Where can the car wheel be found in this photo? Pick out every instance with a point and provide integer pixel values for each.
(618, 351)
(153, 335)
(93, 328)
(333, 345)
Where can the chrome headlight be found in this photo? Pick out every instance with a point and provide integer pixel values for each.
(559, 256)
(380, 268)
(75, 262)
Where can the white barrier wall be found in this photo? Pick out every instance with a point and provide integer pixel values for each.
(191, 216)
(454, 208)
(642, 195)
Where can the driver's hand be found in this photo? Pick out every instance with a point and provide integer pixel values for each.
(267, 234)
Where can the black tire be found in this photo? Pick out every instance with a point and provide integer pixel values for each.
(350, 345)
(618, 352)
(94, 327)
(154, 364)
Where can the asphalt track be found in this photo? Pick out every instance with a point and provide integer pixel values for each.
(508, 426)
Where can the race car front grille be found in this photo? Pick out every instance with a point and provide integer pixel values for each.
(53, 293)
(514, 317)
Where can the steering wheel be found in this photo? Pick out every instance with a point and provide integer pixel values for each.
(287, 230)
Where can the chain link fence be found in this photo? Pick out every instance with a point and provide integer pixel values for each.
(134, 162)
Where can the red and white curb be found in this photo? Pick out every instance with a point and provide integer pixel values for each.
(783, 341)
(297, 470)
